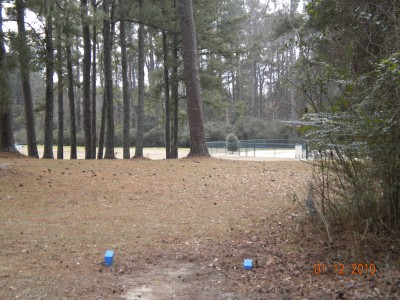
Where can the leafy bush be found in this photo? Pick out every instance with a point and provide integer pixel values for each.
(250, 128)
(155, 137)
(357, 181)
(232, 143)
(216, 131)
(353, 91)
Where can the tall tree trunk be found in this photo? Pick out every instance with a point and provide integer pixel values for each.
(234, 97)
(87, 115)
(102, 132)
(158, 106)
(6, 130)
(175, 99)
(271, 86)
(166, 97)
(253, 88)
(60, 95)
(238, 78)
(100, 153)
(24, 56)
(71, 98)
(151, 53)
(132, 66)
(94, 82)
(48, 122)
(78, 86)
(198, 145)
(140, 106)
(261, 80)
(107, 48)
(292, 59)
(132, 75)
(125, 82)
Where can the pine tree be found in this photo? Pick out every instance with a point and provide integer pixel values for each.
(71, 93)
(125, 83)
(141, 86)
(86, 65)
(60, 90)
(48, 122)
(6, 130)
(94, 79)
(107, 57)
(168, 151)
(24, 56)
(198, 145)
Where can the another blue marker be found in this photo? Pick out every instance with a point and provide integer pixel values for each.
(108, 258)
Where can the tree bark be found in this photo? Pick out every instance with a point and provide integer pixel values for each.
(292, 60)
(24, 56)
(60, 95)
(175, 92)
(140, 107)
(132, 75)
(100, 153)
(71, 98)
(158, 105)
(6, 130)
(94, 82)
(87, 115)
(77, 87)
(238, 79)
(48, 122)
(261, 80)
(166, 98)
(175, 99)
(125, 83)
(253, 91)
(108, 84)
(198, 145)
(132, 65)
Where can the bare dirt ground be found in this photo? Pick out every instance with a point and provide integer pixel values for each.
(180, 229)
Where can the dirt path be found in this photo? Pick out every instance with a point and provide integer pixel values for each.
(178, 281)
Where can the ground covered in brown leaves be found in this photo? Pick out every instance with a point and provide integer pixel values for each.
(180, 229)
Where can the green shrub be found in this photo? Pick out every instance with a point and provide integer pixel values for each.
(232, 143)
(216, 131)
(155, 137)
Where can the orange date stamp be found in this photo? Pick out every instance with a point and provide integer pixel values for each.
(344, 269)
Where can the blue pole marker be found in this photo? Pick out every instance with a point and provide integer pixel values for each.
(108, 258)
(248, 264)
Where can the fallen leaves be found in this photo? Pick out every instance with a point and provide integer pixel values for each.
(214, 213)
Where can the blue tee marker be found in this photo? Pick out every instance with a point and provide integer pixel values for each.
(108, 258)
(248, 264)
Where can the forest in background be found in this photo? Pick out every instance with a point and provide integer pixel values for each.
(246, 52)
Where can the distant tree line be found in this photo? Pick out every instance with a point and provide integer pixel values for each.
(118, 72)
